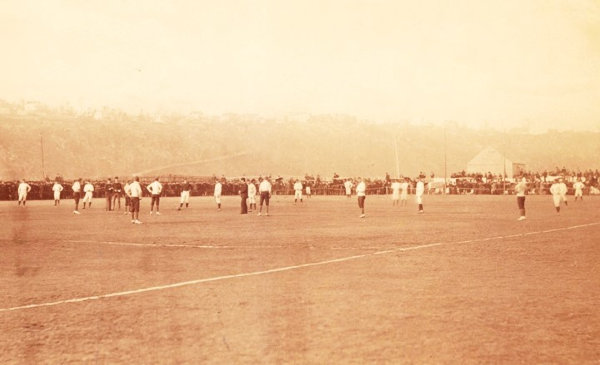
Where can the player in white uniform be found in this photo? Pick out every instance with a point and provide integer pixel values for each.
(217, 193)
(403, 192)
(308, 192)
(88, 189)
(348, 186)
(557, 191)
(396, 186)
(251, 195)
(23, 189)
(155, 189)
(419, 191)
(297, 191)
(361, 193)
(563, 190)
(57, 188)
(578, 186)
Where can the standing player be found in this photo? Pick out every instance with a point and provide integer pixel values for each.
(155, 188)
(76, 194)
(108, 193)
(244, 196)
(361, 192)
(88, 189)
(520, 189)
(563, 190)
(404, 192)
(217, 193)
(297, 191)
(308, 192)
(555, 190)
(264, 189)
(134, 192)
(23, 189)
(578, 186)
(396, 186)
(252, 195)
(348, 186)
(419, 191)
(186, 188)
(117, 192)
(57, 188)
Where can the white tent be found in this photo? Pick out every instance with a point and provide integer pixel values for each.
(490, 160)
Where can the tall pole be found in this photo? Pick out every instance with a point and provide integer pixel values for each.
(42, 147)
(445, 163)
(397, 160)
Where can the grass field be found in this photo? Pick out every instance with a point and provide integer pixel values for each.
(463, 283)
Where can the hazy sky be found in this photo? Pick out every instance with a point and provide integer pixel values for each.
(511, 62)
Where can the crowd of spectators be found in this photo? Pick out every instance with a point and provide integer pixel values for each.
(458, 183)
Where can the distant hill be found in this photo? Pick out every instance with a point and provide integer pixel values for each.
(118, 144)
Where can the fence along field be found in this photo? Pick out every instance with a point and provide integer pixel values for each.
(311, 283)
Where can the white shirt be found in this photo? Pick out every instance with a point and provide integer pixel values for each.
(76, 187)
(361, 189)
(24, 188)
(348, 186)
(251, 189)
(563, 188)
(265, 185)
(57, 187)
(134, 190)
(420, 188)
(298, 186)
(88, 188)
(218, 189)
(578, 185)
(154, 188)
(404, 187)
(396, 187)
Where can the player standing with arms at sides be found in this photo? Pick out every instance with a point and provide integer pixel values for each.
(88, 189)
(155, 188)
(244, 197)
(396, 186)
(555, 190)
(117, 192)
(419, 191)
(127, 197)
(520, 190)
(308, 192)
(76, 194)
(348, 186)
(252, 195)
(217, 193)
(361, 192)
(578, 186)
(264, 189)
(186, 188)
(108, 193)
(134, 192)
(297, 191)
(404, 192)
(563, 190)
(57, 188)
(23, 189)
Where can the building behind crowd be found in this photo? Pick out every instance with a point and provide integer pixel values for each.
(492, 161)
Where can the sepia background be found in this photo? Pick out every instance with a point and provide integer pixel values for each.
(294, 88)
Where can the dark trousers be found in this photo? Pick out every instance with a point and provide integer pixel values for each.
(244, 206)
(108, 201)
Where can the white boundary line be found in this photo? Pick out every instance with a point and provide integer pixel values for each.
(281, 269)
